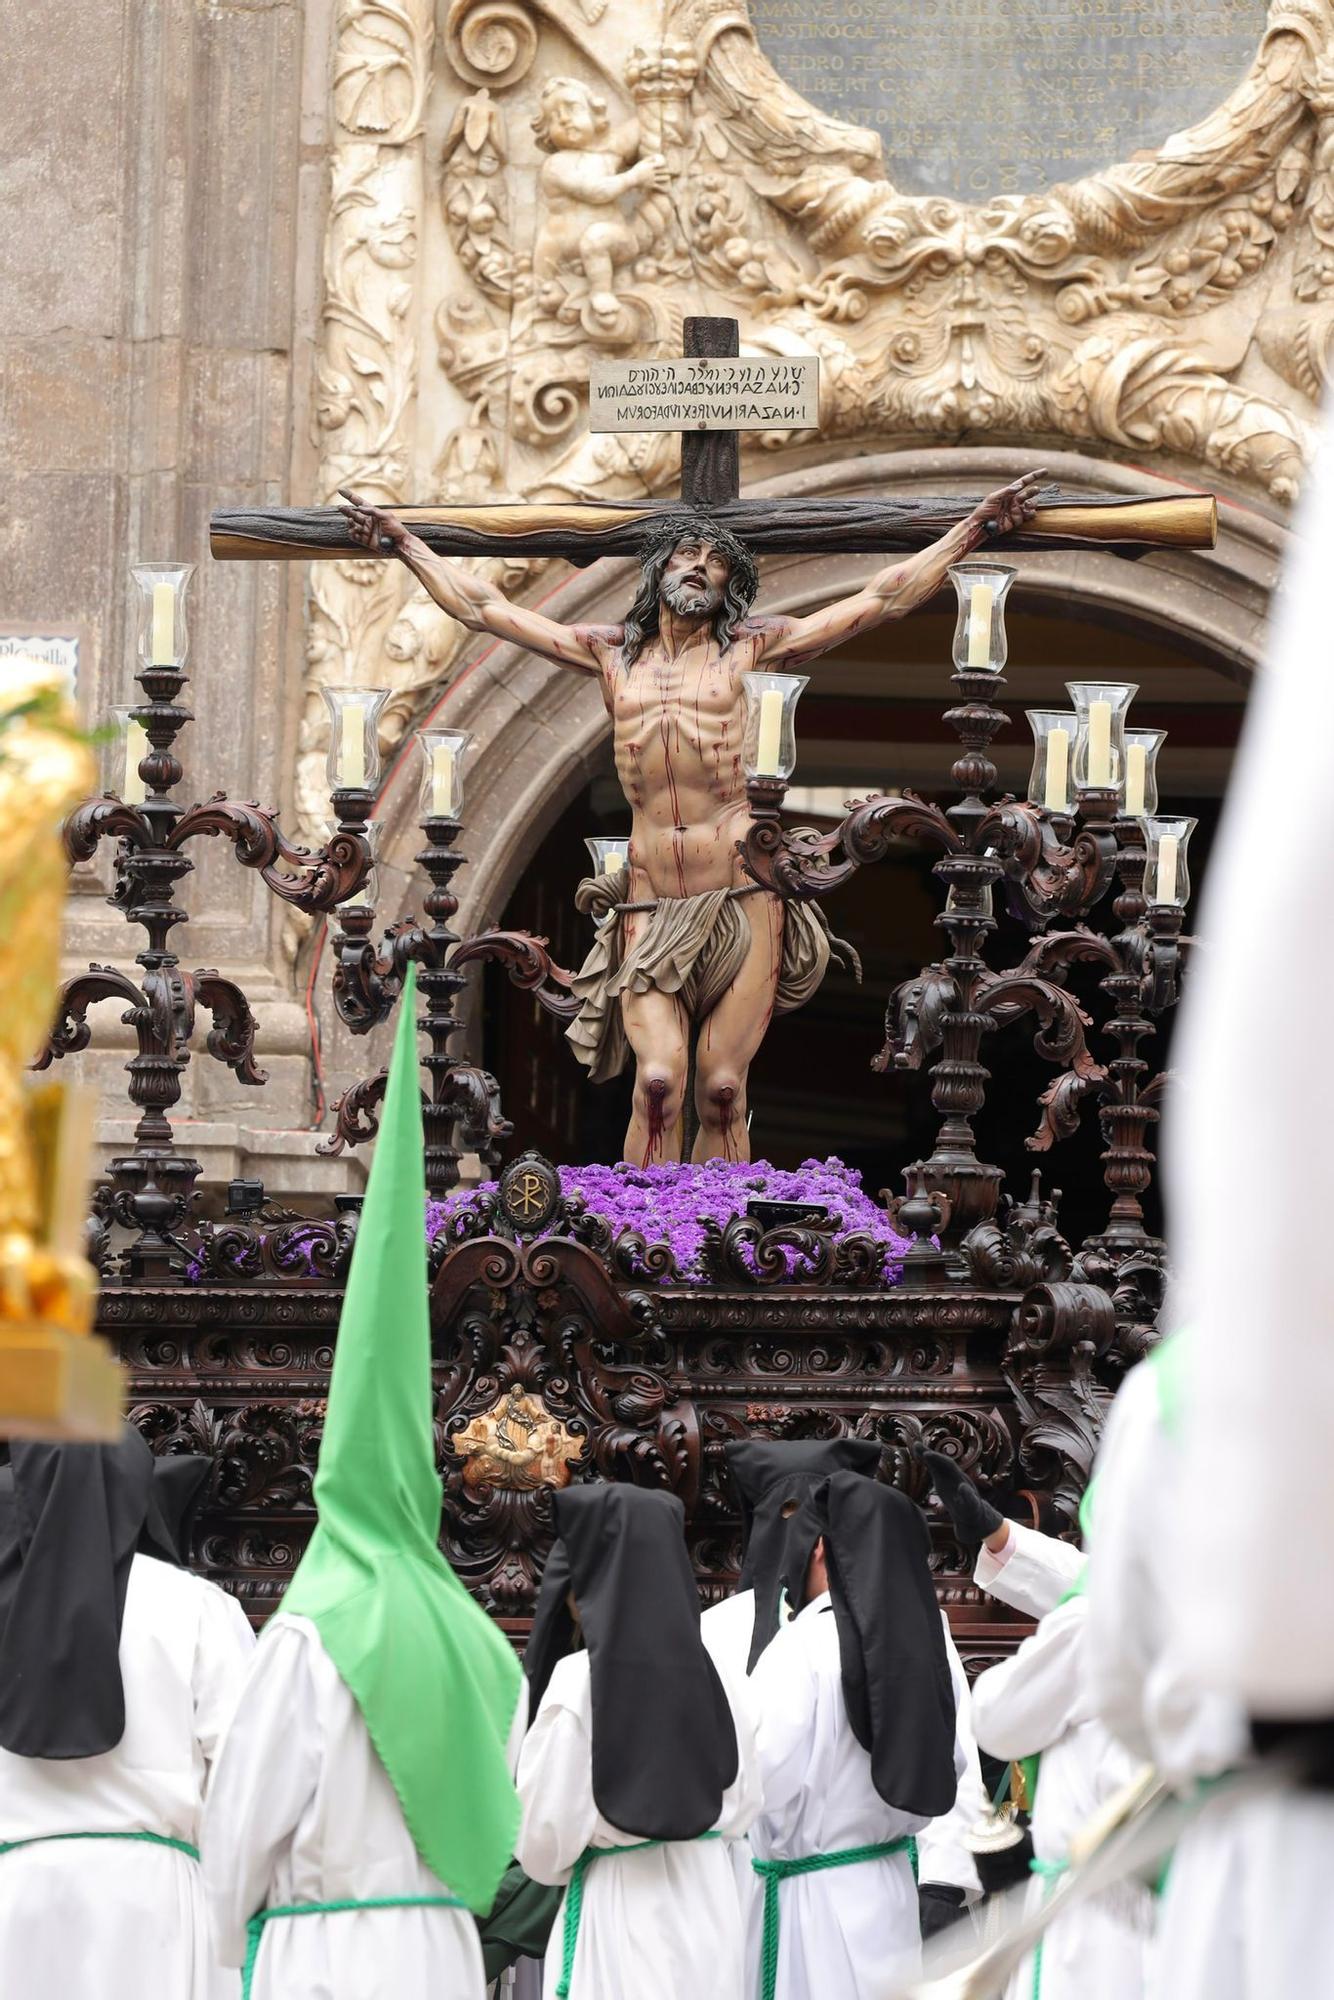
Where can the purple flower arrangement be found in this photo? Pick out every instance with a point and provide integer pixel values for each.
(672, 1204)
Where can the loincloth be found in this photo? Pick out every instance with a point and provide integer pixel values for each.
(693, 947)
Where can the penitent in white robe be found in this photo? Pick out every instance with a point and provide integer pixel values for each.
(301, 1810)
(943, 1854)
(1038, 1702)
(1253, 1611)
(661, 1924)
(1247, 1912)
(849, 1932)
(124, 1920)
(1031, 1573)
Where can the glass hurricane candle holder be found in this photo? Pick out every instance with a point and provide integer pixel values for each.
(1166, 876)
(158, 596)
(1140, 791)
(353, 760)
(769, 745)
(1099, 760)
(444, 752)
(1054, 731)
(980, 645)
(122, 753)
(609, 857)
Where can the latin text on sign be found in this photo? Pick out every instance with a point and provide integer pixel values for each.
(705, 395)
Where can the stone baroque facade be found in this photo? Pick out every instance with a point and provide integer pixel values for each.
(519, 189)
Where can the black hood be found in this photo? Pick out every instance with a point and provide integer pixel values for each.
(664, 1744)
(891, 1639)
(772, 1479)
(72, 1517)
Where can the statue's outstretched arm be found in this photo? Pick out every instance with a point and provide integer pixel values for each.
(904, 585)
(470, 598)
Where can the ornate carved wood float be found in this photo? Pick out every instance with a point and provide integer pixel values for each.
(563, 1351)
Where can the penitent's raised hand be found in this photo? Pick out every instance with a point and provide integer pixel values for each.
(973, 1517)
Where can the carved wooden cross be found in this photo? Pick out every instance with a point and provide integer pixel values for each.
(711, 481)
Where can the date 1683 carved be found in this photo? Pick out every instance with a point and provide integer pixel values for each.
(972, 98)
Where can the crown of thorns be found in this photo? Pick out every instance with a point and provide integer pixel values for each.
(666, 536)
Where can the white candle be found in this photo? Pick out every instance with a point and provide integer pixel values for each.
(614, 862)
(164, 625)
(352, 748)
(1135, 769)
(1058, 769)
(980, 600)
(771, 733)
(444, 764)
(1165, 884)
(134, 791)
(1100, 743)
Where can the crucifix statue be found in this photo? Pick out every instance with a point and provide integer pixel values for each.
(698, 954)
(697, 950)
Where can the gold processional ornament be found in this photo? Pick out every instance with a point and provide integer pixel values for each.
(517, 1444)
(57, 1378)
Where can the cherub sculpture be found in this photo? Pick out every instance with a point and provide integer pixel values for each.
(591, 170)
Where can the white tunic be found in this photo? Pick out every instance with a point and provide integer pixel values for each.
(1143, 1686)
(301, 1810)
(1038, 1702)
(726, 1630)
(942, 1851)
(1253, 1609)
(1250, 1186)
(1247, 1912)
(1031, 1572)
(660, 1924)
(846, 1932)
(122, 1920)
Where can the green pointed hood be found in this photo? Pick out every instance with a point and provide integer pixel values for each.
(436, 1681)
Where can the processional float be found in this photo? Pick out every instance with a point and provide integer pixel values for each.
(566, 1347)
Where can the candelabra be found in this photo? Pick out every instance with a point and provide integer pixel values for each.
(1052, 858)
(462, 1100)
(151, 1189)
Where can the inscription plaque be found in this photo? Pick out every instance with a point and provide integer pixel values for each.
(974, 98)
(704, 395)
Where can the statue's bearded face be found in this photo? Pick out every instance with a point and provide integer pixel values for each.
(695, 578)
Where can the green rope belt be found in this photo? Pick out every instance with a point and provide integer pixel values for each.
(574, 1900)
(155, 1839)
(772, 1873)
(1050, 1873)
(255, 1928)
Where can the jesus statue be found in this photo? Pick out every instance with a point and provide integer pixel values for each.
(694, 945)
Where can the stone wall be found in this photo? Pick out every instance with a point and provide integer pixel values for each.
(165, 182)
